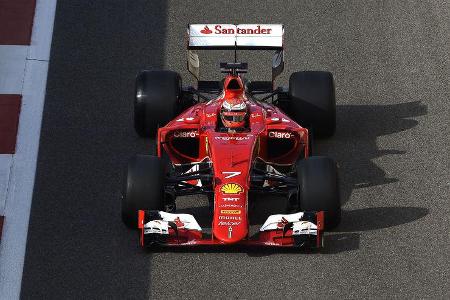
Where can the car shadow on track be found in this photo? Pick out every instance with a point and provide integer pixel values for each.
(346, 236)
(354, 146)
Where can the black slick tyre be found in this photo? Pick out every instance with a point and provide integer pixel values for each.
(143, 188)
(318, 188)
(158, 94)
(313, 102)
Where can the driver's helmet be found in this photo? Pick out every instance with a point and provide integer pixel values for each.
(233, 113)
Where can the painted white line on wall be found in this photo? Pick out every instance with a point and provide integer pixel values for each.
(22, 175)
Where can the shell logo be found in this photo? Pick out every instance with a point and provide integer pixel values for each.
(231, 188)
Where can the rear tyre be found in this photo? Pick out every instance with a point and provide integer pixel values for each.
(143, 188)
(158, 94)
(312, 101)
(318, 188)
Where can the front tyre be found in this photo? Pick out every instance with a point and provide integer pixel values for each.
(143, 188)
(318, 188)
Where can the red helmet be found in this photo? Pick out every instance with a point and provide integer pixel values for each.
(233, 113)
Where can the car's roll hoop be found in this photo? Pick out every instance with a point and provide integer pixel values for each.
(235, 37)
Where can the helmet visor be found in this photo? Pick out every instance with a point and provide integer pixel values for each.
(234, 116)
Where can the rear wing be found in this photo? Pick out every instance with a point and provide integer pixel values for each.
(235, 37)
(239, 37)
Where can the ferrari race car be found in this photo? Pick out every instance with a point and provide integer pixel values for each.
(232, 140)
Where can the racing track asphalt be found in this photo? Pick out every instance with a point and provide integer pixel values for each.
(391, 66)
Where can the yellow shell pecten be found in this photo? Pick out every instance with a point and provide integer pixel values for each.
(231, 188)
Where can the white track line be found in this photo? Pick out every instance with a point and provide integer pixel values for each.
(12, 66)
(21, 177)
(5, 171)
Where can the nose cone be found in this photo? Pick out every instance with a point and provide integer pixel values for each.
(230, 216)
(231, 230)
(232, 155)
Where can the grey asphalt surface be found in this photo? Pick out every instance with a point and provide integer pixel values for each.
(391, 65)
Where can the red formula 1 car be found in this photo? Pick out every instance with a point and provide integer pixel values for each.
(232, 140)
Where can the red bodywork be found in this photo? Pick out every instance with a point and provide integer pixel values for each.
(232, 155)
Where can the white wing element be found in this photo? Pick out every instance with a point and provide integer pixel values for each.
(156, 226)
(304, 227)
(162, 226)
(231, 35)
(298, 227)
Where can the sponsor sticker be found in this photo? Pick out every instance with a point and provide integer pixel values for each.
(231, 188)
(231, 174)
(280, 134)
(228, 223)
(232, 199)
(230, 211)
(230, 138)
(206, 30)
(228, 205)
(231, 29)
(235, 218)
(185, 134)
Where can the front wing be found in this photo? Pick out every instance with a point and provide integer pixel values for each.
(302, 229)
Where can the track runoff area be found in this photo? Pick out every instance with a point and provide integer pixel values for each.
(25, 37)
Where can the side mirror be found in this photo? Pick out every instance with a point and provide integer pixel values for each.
(193, 64)
(274, 120)
(192, 120)
(277, 64)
